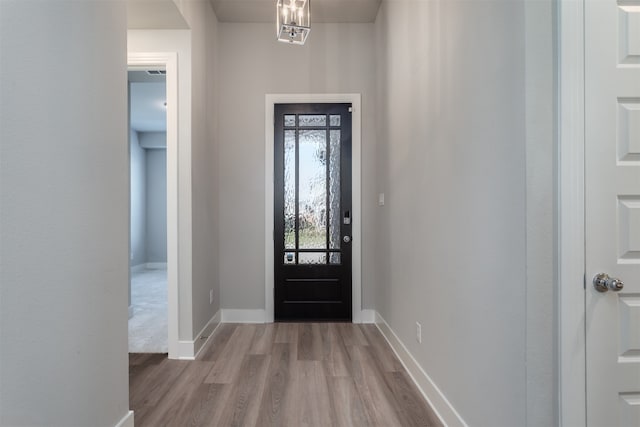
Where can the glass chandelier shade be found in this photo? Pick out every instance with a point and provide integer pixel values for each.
(293, 20)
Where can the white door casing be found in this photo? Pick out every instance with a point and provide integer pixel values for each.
(612, 210)
(356, 120)
(168, 61)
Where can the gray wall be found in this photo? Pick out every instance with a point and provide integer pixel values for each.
(63, 214)
(205, 259)
(148, 198)
(465, 151)
(541, 148)
(156, 205)
(338, 58)
(153, 140)
(138, 201)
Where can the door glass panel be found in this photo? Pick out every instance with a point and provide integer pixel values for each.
(334, 189)
(289, 258)
(334, 258)
(289, 189)
(312, 196)
(334, 120)
(310, 120)
(312, 258)
(289, 120)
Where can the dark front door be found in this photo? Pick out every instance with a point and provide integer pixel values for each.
(312, 230)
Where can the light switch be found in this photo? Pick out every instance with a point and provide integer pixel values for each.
(381, 199)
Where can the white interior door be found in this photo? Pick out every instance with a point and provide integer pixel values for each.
(612, 206)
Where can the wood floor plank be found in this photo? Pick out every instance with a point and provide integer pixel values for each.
(137, 359)
(277, 397)
(310, 345)
(336, 356)
(380, 348)
(243, 405)
(349, 408)
(148, 390)
(313, 406)
(285, 375)
(206, 405)
(140, 363)
(227, 365)
(175, 405)
(351, 334)
(218, 342)
(263, 339)
(286, 333)
(373, 390)
(410, 405)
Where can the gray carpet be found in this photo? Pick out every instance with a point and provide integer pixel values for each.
(148, 328)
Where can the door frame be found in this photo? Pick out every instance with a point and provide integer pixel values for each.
(571, 270)
(356, 167)
(168, 61)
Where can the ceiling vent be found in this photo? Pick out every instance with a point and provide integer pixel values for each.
(157, 72)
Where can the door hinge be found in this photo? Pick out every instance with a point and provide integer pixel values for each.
(351, 109)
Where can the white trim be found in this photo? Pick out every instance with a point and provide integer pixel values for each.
(156, 266)
(169, 60)
(126, 421)
(148, 266)
(571, 231)
(230, 315)
(368, 316)
(356, 183)
(436, 399)
(138, 268)
(189, 350)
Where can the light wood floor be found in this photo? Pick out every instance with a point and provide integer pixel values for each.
(280, 374)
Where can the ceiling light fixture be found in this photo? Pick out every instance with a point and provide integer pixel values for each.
(293, 20)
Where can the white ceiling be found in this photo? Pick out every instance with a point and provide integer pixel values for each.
(321, 10)
(148, 113)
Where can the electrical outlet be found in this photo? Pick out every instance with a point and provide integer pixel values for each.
(211, 296)
(381, 199)
(419, 332)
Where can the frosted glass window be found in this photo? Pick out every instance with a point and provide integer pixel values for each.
(334, 258)
(334, 189)
(334, 120)
(312, 191)
(289, 258)
(289, 120)
(290, 189)
(312, 258)
(311, 120)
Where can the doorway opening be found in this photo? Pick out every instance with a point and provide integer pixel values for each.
(148, 316)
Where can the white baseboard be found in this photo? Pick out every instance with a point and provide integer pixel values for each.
(126, 421)
(230, 315)
(189, 350)
(438, 401)
(156, 266)
(367, 316)
(138, 268)
(148, 266)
